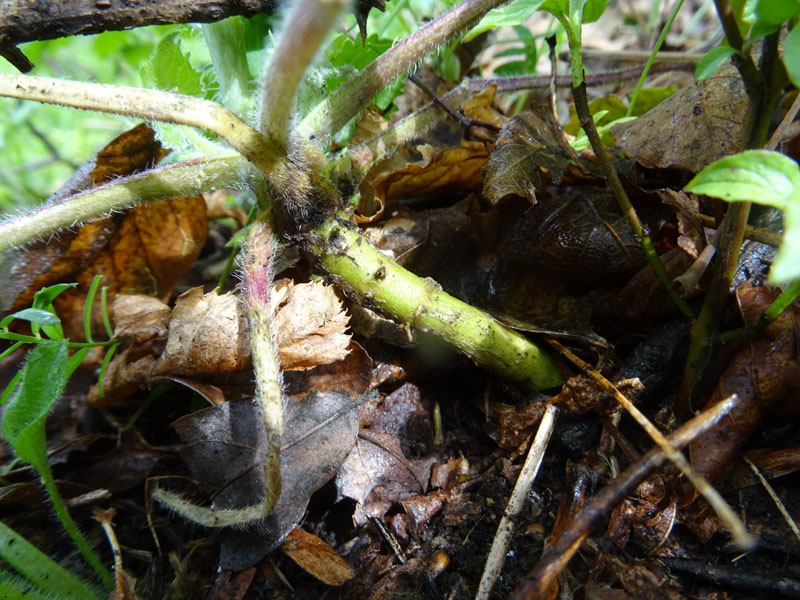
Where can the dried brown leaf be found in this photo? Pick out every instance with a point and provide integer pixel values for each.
(316, 557)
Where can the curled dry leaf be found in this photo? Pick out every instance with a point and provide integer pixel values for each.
(316, 557)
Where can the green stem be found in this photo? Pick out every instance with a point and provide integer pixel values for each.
(305, 30)
(781, 303)
(186, 178)
(659, 42)
(153, 105)
(351, 97)
(614, 183)
(421, 303)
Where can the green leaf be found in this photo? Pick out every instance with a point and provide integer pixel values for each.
(515, 13)
(759, 176)
(169, 68)
(770, 12)
(34, 315)
(786, 266)
(791, 55)
(711, 61)
(43, 378)
(39, 569)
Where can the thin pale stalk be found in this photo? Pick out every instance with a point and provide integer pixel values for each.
(305, 30)
(181, 179)
(153, 105)
(422, 303)
(356, 93)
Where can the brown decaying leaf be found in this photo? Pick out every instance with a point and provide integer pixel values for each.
(142, 251)
(764, 372)
(316, 557)
(691, 129)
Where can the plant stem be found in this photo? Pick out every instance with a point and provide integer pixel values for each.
(305, 30)
(355, 94)
(146, 104)
(604, 159)
(423, 304)
(186, 178)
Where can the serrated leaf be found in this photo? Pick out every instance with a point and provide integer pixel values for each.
(759, 176)
(43, 378)
(711, 61)
(770, 12)
(169, 68)
(791, 55)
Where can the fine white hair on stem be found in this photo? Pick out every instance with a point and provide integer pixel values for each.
(305, 29)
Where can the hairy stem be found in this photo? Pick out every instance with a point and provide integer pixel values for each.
(355, 94)
(182, 179)
(305, 30)
(146, 104)
(423, 304)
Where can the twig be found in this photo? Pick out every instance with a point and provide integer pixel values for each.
(778, 504)
(497, 554)
(712, 496)
(466, 122)
(564, 548)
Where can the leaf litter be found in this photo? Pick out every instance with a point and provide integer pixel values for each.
(361, 446)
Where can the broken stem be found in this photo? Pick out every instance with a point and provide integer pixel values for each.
(351, 97)
(558, 554)
(497, 554)
(422, 303)
(147, 104)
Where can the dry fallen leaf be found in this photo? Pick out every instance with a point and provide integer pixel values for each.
(316, 557)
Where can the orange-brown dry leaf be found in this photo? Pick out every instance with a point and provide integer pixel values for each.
(765, 372)
(310, 327)
(316, 557)
(370, 124)
(691, 129)
(480, 107)
(142, 251)
(207, 335)
(139, 317)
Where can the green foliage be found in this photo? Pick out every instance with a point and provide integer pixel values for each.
(38, 385)
(519, 11)
(762, 177)
(42, 577)
(711, 61)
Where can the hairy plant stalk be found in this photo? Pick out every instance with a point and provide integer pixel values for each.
(181, 179)
(423, 304)
(153, 105)
(356, 93)
(305, 30)
(257, 274)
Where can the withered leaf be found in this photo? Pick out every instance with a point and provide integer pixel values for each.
(691, 129)
(310, 327)
(376, 474)
(316, 557)
(142, 251)
(207, 335)
(139, 317)
(319, 433)
(527, 145)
